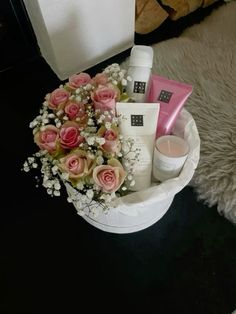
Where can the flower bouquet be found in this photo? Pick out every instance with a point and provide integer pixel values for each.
(77, 133)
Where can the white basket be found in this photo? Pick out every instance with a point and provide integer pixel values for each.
(140, 210)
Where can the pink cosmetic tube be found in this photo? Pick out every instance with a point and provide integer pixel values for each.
(171, 95)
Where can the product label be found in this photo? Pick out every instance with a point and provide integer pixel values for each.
(139, 87)
(136, 120)
(165, 96)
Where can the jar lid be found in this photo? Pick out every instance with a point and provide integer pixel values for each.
(141, 56)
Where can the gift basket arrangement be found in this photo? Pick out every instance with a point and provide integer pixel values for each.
(120, 143)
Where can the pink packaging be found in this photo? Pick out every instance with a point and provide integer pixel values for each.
(171, 95)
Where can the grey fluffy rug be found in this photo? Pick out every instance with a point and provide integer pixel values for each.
(205, 56)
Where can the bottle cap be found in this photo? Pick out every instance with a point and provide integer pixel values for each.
(141, 56)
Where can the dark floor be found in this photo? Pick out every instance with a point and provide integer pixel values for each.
(52, 261)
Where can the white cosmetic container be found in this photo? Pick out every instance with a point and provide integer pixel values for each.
(139, 72)
(170, 155)
(138, 121)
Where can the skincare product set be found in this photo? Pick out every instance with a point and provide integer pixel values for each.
(150, 118)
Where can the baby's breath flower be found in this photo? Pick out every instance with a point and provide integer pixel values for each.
(80, 185)
(59, 113)
(91, 156)
(106, 197)
(94, 210)
(96, 187)
(26, 168)
(51, 115)
(88, 87)
(90, 194)
(31, 160)
(49, 191)
(100, 160)
(124, 82)
(57, 185)
(33, 124)
(100, 140)
(54, 169)
(90, 140)
(45, 121)
(65, 176)
(90, 122)
(78, 98)
(47, 184)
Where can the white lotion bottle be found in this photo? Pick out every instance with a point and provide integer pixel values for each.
(138, 122)
(139, 72)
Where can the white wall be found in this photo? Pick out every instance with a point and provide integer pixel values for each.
(74, 35)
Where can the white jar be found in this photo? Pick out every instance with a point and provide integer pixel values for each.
(170, 154)
(139, 72)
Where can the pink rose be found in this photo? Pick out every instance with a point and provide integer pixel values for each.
(74, 110)
(47, 139)
(100, 79)
(78, 80)
(70, 135)
(58, 98)
(104, 98)
(109, 177)
(112, 144)
(77, 164)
